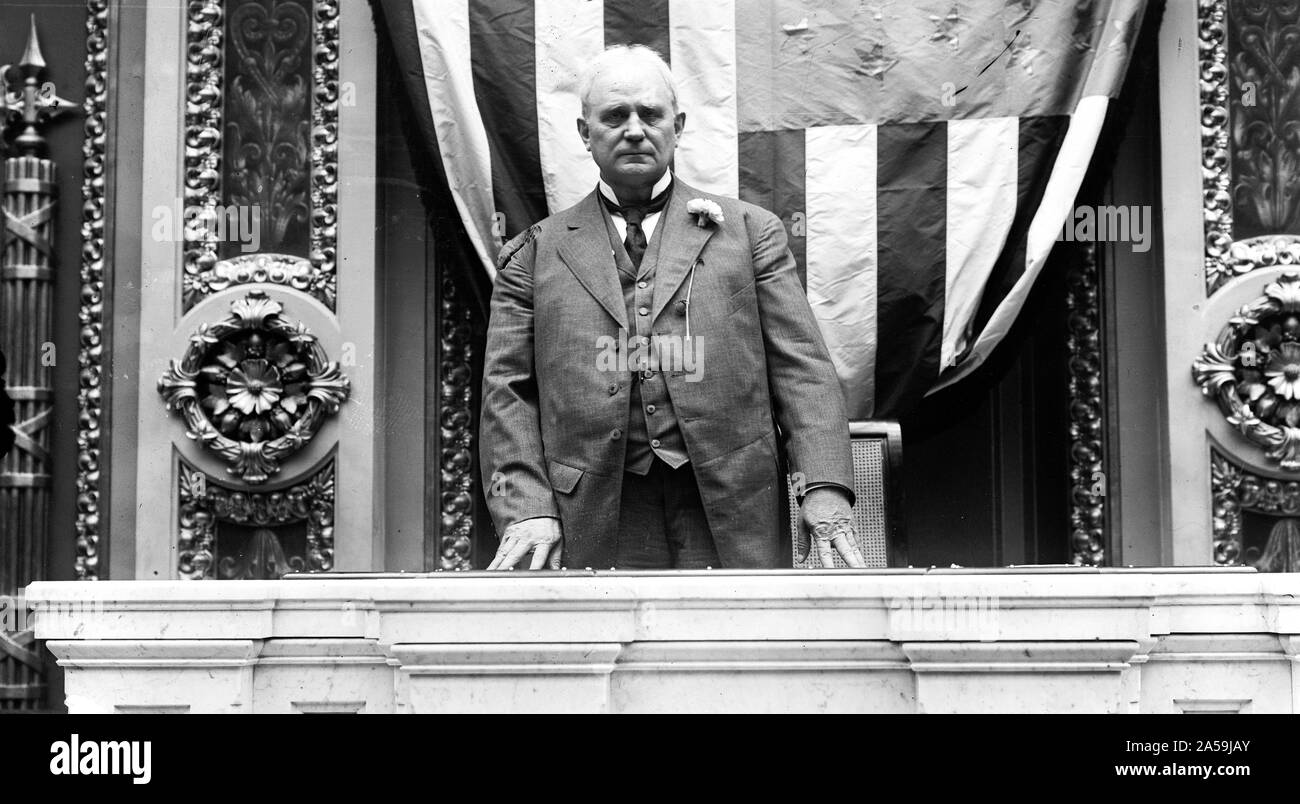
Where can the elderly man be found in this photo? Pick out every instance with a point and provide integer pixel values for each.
(642, 347)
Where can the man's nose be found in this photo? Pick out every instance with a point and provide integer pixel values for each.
(634, 131)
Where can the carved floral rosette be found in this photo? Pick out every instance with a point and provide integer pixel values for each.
(1253, 371)
(204, 504)
(254, 388)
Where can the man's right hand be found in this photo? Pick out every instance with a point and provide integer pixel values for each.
(540, 536)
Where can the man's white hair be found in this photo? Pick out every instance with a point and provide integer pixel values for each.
(622, 54)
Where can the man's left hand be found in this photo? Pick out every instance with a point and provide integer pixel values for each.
(827, 515)
(542, 536)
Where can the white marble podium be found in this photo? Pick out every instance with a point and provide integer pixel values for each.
(1174, 640)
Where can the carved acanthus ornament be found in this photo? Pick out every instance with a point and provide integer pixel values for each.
(254, 388)
(1265, 76)
(266, 141)
(1236, 491)
(1253, 371)
(205, 504)
(1250, 90)
(1225, 488)
(267, 118)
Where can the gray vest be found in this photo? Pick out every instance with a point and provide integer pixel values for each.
(652, 422)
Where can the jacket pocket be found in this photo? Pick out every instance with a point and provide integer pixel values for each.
(563, 477)
(741, 298)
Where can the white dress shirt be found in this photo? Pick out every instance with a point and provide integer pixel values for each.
(649, 222)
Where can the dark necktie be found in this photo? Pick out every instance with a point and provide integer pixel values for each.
(635, 240)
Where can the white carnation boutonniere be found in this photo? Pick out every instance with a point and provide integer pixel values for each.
(704, 211)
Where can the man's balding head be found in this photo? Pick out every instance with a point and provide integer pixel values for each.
(630, 122)
(624, 57)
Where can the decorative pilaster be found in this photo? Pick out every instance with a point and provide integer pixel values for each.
(1088, 519)
(261, 138)
(1249, 88)
(456, 437)
(92, 390)
(30, 197)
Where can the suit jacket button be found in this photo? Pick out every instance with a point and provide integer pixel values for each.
(615, 434)
(647, 375)
(681, 307)
(643, 284)
(654, 442)
(613, 388)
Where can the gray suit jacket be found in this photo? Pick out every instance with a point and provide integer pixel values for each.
(553, 433)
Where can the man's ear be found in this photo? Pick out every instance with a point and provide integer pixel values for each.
(584, 132)
(679, 123)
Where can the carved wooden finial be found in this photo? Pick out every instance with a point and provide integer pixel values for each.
(27, 101)
(32, 59)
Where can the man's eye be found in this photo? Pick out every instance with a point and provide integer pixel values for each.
(613, 118)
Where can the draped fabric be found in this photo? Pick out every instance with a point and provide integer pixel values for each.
(923, 154)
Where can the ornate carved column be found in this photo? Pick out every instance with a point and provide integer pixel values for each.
(457, 481)
(93, 384)
(266, 363)
(1089, 523)
(26, 294)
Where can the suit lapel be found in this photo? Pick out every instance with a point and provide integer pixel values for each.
(587, 253)
(680, 243)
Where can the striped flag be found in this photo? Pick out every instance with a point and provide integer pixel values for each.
(923, 154)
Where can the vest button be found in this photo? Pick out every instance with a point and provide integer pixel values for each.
(650, 408)
(643, 311)
(613, 388)
(654, 442)
(647, 375)
(615, 434)
(643, 284)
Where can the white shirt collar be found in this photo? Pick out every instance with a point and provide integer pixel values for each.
(659, 187)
